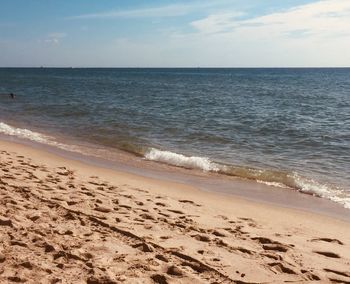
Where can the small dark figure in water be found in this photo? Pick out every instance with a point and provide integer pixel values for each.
(12, 96)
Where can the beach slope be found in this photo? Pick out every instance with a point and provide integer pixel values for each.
(62, 221)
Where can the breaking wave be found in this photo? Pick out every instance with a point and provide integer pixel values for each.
(291, 180)
(180, 160)
(34, 136)
(23, 133)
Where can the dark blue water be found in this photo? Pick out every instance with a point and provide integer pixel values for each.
(286, 127)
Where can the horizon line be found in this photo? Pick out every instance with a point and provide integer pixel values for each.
(178, 67)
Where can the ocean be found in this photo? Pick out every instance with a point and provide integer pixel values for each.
(288, 128)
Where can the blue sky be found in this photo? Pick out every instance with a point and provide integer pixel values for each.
(206, 33)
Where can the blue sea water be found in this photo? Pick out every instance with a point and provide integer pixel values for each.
(284, 127)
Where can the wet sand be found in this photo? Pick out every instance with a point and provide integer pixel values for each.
(64, 221)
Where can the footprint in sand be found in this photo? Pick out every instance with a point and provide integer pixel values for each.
(272, 256)
(144, 247)
(327, 254)
(281, 268)
(161, 257)
(276, 247)
(202, 238)
(174, 271)
(222, 217)
(147, 216)
(16, 279)
(309, 275)
(27, 265)
(88, 194)
(263, 240)
(340, 273)
(217, 233)
(189, 202)
(160, 279)
(175, 211)
(102, 209)
(328, 240)
(5, 222)
(127, 196)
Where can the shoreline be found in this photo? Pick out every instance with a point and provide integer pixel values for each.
(99, 224)
(177, 167)
(214, 183)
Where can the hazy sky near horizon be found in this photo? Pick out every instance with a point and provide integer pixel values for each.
(206, 33)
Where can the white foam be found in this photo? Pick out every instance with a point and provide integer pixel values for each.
(180, 160)
(311, 186)
(305, 185)
(33, 136)
(23, 133)
(273, 183)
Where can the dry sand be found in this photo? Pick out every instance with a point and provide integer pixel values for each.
(62, 221)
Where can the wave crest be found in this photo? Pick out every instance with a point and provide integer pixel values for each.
(273, 178)
(34, 136)
(23, 133)
(180, 160)
(266, 176)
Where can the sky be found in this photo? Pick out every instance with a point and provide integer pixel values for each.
(154, 33)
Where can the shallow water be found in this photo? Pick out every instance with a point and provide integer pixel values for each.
(284, 127)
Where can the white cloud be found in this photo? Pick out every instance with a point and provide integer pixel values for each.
(53, 38)
(173, 10)
(217, 23)
(162, 11)
(311, 35)
(327, 18)
(316, 34)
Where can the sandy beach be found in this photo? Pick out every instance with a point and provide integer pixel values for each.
(63, 221)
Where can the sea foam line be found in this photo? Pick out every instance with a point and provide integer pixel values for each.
(300, 183)
(33, 136)
(23, 133)
(310, 186)
(292, 180)
(179, 160)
